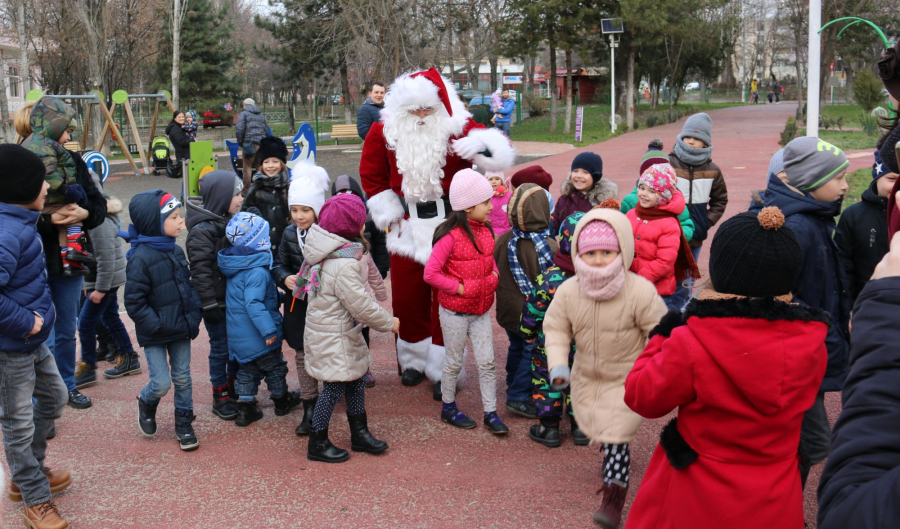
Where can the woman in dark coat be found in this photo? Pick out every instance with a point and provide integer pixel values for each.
(180, 141)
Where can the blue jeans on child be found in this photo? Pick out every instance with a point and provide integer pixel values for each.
(221, 368)
(32, 396)
(271, 366)
(107, 311)
(66, 294)
(159, 358)
(518, 369)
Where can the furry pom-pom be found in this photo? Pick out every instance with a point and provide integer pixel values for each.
(771, 218)
(678, 451)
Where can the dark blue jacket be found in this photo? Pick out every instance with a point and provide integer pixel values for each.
(367, 114)
(862, 236)
(860, 485)
(504, 115)
(251, 303)
(251, 125)
(822, 284)
(23, 281)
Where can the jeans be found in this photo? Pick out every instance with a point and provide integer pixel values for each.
(107, 311)
(66, 294)
(518, 370)
(673, 301)
(688, 294)
(272, 366)
(221, 368)
(815, 437)
(503, 127)
(25, 422)
(158, 362)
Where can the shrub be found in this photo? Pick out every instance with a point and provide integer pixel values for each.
(789, 133)
(867, 90)
(652, 120)
(535, 104)
(869, 124)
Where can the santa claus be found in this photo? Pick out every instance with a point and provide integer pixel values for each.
(409, 158)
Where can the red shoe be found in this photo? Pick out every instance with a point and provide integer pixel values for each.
(610, 512)
(75, 252)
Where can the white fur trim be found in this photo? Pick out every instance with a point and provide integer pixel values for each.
(408, 92)
(413, 355)
(503, 155)
(385, 208)
(434, 369)
(413, 239)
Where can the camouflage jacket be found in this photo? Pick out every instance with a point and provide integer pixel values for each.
(49, 119)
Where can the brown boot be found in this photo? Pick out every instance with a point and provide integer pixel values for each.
(59, 480)
(44, 516)
(610, 512)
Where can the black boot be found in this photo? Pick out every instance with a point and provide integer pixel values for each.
(361, 440)
(412, 377)
(147, 417)
(247, 413)
(223, 404)
(545, 434)
(287, 402)
(436, 393)
(577, 435)
(306, 424)
(320, 449)
(184, 432)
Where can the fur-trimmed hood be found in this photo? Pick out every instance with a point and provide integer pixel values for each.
(602, 190)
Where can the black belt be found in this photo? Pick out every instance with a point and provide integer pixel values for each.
(427, 210)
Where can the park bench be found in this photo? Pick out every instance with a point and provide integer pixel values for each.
(343, 132)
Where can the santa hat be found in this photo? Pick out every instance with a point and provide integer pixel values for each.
(427, 88)
(309, 186)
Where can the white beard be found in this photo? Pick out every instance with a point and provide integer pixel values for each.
(420, 146)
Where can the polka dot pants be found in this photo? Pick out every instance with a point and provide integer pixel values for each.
(354, 391)
(616, 464)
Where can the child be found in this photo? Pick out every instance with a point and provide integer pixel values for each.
(742, 365)
(33, 393)
(102, 302)
(533, 174)
(161, 301)
(268, 193)
(496, 101)
(661, 254)
(52, 123)
(462, 269)
(549, 402)
(522, 254)
(862, 232)
(584, 188)
(331, 280)
(810, 197)
(309, 185)
(190, 124)
(254, 323)
(499, 202)
(608, 311)
(699, 179)
(220, 199)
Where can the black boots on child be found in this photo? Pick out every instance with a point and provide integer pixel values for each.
(320, 449)
(305, 426)
(223, 404)
(547, 434)
(247, 412)
(187, 439)
(361, 440)
(287, 402)
(147, 417)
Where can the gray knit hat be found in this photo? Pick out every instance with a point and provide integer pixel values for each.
(810, 162)
(698, 126)
(776, 164)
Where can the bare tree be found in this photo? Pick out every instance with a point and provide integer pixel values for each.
(92, 15)
(23, 42)
(179, 9)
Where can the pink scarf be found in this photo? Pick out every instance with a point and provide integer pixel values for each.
(600, 283)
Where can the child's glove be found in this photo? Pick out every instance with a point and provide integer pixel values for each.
(75, 194)
(213, 315)
(563, 373)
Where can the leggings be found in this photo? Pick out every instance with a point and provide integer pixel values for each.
(616, 464)
(309, 387)
(355, 391)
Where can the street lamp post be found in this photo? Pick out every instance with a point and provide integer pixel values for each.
(612, 27)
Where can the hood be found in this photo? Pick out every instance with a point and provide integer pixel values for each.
(195, 213)
(373, 103)
(619, 223)
(253, 109)
(51, 117)
(113, 206)
(676, 205)
(144, 211)
(343, 183)
(871, 195)
(170, 126)
(602, 190)
(792, 201)
(237, 258)
(217, 189)
(320, 243)
(529, 208)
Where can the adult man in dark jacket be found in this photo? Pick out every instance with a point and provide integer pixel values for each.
(370, 111)
(250, 128)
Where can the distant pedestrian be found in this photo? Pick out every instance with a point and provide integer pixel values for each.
(251, 127)
(370, 111)
(503, 113)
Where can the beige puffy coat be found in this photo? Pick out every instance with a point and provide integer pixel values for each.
(609, 336)
(333, 341)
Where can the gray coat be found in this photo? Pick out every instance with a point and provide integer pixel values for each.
(251, 125)
(108, 251)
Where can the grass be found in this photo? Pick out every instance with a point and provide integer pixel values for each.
(859, 182)
(850, 113)
(848, 140)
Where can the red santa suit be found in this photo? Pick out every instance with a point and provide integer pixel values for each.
(407, 176)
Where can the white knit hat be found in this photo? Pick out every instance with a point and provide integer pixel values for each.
(309, 186)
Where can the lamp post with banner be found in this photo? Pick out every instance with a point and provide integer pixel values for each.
(612, 27)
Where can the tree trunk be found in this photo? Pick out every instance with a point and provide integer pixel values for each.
(345, 91)
(91, 14)
(629, 114)
(6, 134)
(178, 11)
(492, 60)
(551, 43)
(568, 124)
(24, 69)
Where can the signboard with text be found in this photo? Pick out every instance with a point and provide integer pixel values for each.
(512, 79)
(579, 120)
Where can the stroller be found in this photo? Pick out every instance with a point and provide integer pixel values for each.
(159, 149)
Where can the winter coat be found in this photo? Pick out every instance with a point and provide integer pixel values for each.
(859, 487)
(180, 141)
(368, 113)
(705, 194)
(504, 115)
(455, 261)
(251, 125)
(862, 237)
(251, 303)
(205, 239)
(610, 335)
(687, 225)
(822, 283)
(374, 282)
(288, 261)
(23, 281)
(742, 373)
(377, 238)
(50, 118)
(108, 250)
(333, 341)
(269, 195)
(572, 200)
(528, 213)
(656, 246)
(499, 216)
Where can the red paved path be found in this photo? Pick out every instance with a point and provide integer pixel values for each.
(433, 475)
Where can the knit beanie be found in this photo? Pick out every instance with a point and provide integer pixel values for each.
(755, 255)
(272, 147)
(247, 229)
(534, 174)
(345, 214)
(22, 174)
(597, 235)
(879, 168)
(591, 163)
(888, 157)
(698, 126)
(309, 186)
(167, 204)
(776, 164)
(652, 157)
(217, 188)
(490, 174)
(661, 179)
(810, 162)
(468, 189)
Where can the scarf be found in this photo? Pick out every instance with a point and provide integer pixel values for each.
(691, 155)
(309, 277)
(564, 262)
(685, 266)
(163, 243)
(544, 253)
(600, 283)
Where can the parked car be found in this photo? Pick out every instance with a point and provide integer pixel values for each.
(691, 87)
(468, 95)
(480, 108)
(212, 119)
(337, 99)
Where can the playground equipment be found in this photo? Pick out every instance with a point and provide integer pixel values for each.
(98, 162)
(121, 97)
(202, 161)
(304, 145)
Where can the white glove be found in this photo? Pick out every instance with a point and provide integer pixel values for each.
(468, 147)
(562, 372)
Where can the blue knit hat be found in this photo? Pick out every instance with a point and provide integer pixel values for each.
(247, 229)
(590, 162)
(879, 168)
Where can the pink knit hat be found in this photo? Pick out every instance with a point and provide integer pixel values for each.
(661, 179)
(343, 215)
(597, 235)
(468, 189)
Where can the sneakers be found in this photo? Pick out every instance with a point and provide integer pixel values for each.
(44, 516)
(126, 364)
(370, 379)
(305, 426)
(79, 401)
(320, 449)
(147, 417)
(76, 260)
(610, 512)
(248, 413)
(545, 435)
(411, 377)
(85, 375)
(184, 432)
(361, 440)
(59, 480)
(287, 402)
(522, 408)
(456, 418)
(494, 424)
(223, 405)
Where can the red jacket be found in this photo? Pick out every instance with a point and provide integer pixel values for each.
(656, 244)
(455, 261)
(742, 372)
